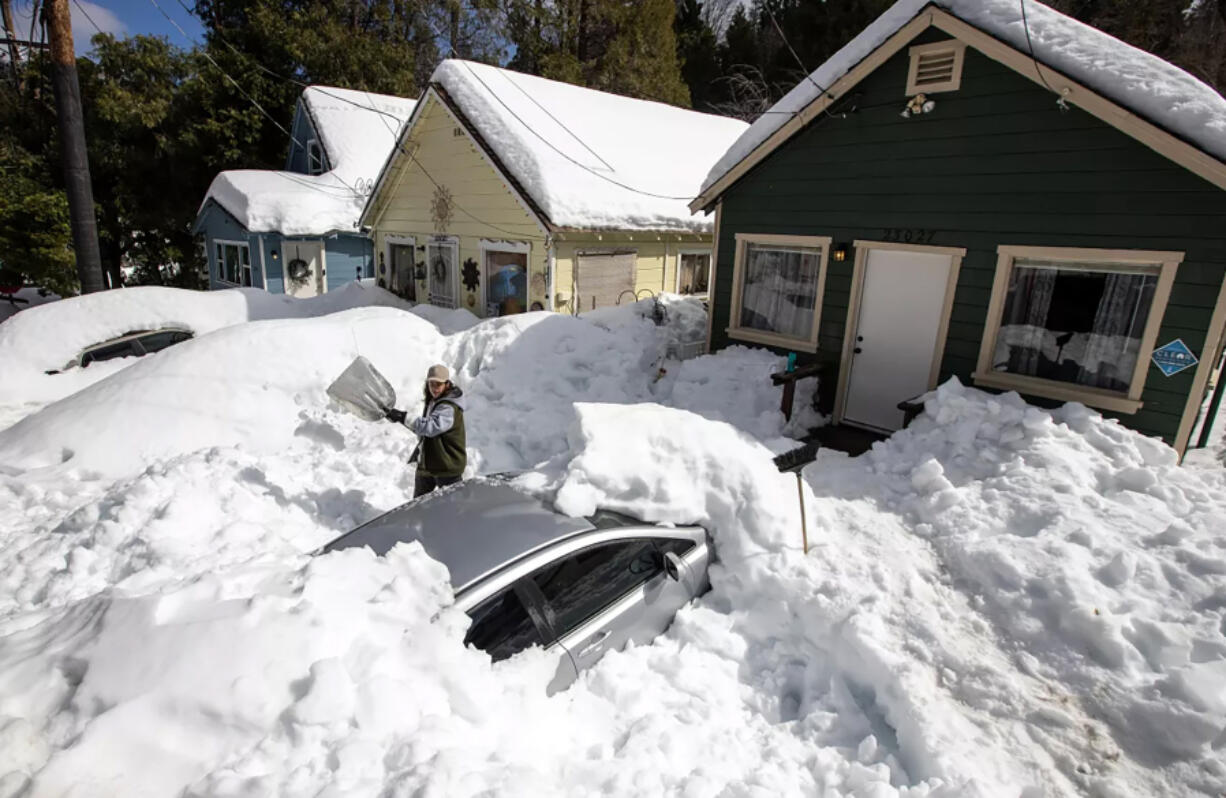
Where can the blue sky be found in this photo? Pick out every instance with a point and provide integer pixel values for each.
(120, 17)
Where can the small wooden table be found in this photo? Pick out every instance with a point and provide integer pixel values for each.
(788, 380)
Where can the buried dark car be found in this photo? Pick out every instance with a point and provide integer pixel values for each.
(528, 575)
(133, 344)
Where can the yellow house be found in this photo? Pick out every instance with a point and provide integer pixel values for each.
(508, 192)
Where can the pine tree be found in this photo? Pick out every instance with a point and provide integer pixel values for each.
(622, 46)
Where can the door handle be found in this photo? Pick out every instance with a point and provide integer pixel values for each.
(595, 643)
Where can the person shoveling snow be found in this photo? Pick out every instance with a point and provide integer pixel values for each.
(441, 454)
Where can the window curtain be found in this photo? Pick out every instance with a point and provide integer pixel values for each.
(1025, 317)
(1108, 361)
(780, 290)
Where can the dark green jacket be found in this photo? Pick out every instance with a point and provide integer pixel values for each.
(441, 429)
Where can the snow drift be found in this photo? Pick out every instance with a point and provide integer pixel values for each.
(998, 601)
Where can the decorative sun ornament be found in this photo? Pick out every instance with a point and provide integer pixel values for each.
(441, 208)
(919, 104)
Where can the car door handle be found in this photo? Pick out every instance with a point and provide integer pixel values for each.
(595, 643)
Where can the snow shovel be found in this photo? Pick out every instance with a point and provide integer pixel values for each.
(363, 391)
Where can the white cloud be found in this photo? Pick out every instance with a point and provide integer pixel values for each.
(81, 14)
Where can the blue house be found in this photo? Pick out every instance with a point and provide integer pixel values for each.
(296, 231)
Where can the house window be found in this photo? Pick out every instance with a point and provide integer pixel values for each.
(1075, 324)
(694, 273)
(441, 257)
(315, 158)
(935, 67)
(398, 274)
(778, 283)
(233, 262)
(505, 278)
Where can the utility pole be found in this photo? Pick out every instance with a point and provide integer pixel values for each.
(10, 33)
(72, 143)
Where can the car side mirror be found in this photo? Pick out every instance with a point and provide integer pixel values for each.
(672, 566)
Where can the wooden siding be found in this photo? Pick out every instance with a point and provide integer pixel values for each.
(996, 162)
(302, 130)
(346, 254)
(656, 266)
(484, 206)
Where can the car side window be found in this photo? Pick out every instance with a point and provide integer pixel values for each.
(108, 353)
(501, 626)
(159, 341)
(584, 583)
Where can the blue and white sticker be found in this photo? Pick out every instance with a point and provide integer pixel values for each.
(1174, 357)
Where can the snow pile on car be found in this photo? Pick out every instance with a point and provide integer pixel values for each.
(51, 336)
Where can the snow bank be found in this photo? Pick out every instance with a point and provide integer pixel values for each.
(32, 296)
(999, 600)
(1154, 89)
(358, 131)
(49, 337)
(600, 167)
(257, 384)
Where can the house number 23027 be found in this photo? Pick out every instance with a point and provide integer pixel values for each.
(908, 235)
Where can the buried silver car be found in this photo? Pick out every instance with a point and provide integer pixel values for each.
(528, 575)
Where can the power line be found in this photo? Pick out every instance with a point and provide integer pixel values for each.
(532, 130)
(413, 158)
(1030, 45)
(573, 135)
(822, 91)
(81, 8)
(248, 97)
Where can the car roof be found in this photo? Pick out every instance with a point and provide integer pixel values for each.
(473, 527)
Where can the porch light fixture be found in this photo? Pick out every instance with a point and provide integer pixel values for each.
(275, 255)
(839, 253)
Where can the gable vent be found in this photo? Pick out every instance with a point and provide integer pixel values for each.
(935, 67)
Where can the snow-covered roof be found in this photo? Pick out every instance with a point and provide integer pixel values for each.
(1150, 87)
(586, 158)
(357, 130)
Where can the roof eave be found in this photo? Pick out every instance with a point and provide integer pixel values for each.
(1150, 133)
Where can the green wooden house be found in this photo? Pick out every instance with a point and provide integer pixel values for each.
(1027, 205)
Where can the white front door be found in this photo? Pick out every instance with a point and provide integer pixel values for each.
(902, 307)
(304, 268)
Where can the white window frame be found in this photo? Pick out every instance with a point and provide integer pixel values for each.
(710, 253)
(516, 247)
(955, 81)
(315, 164)
(735, 330)
(221, 263)
(443, 241)
(1166, 262)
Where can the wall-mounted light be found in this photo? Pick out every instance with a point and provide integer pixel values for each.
(839, 253)
(275, 255)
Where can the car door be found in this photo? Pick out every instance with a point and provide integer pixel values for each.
(510, 621)
(605, 595)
